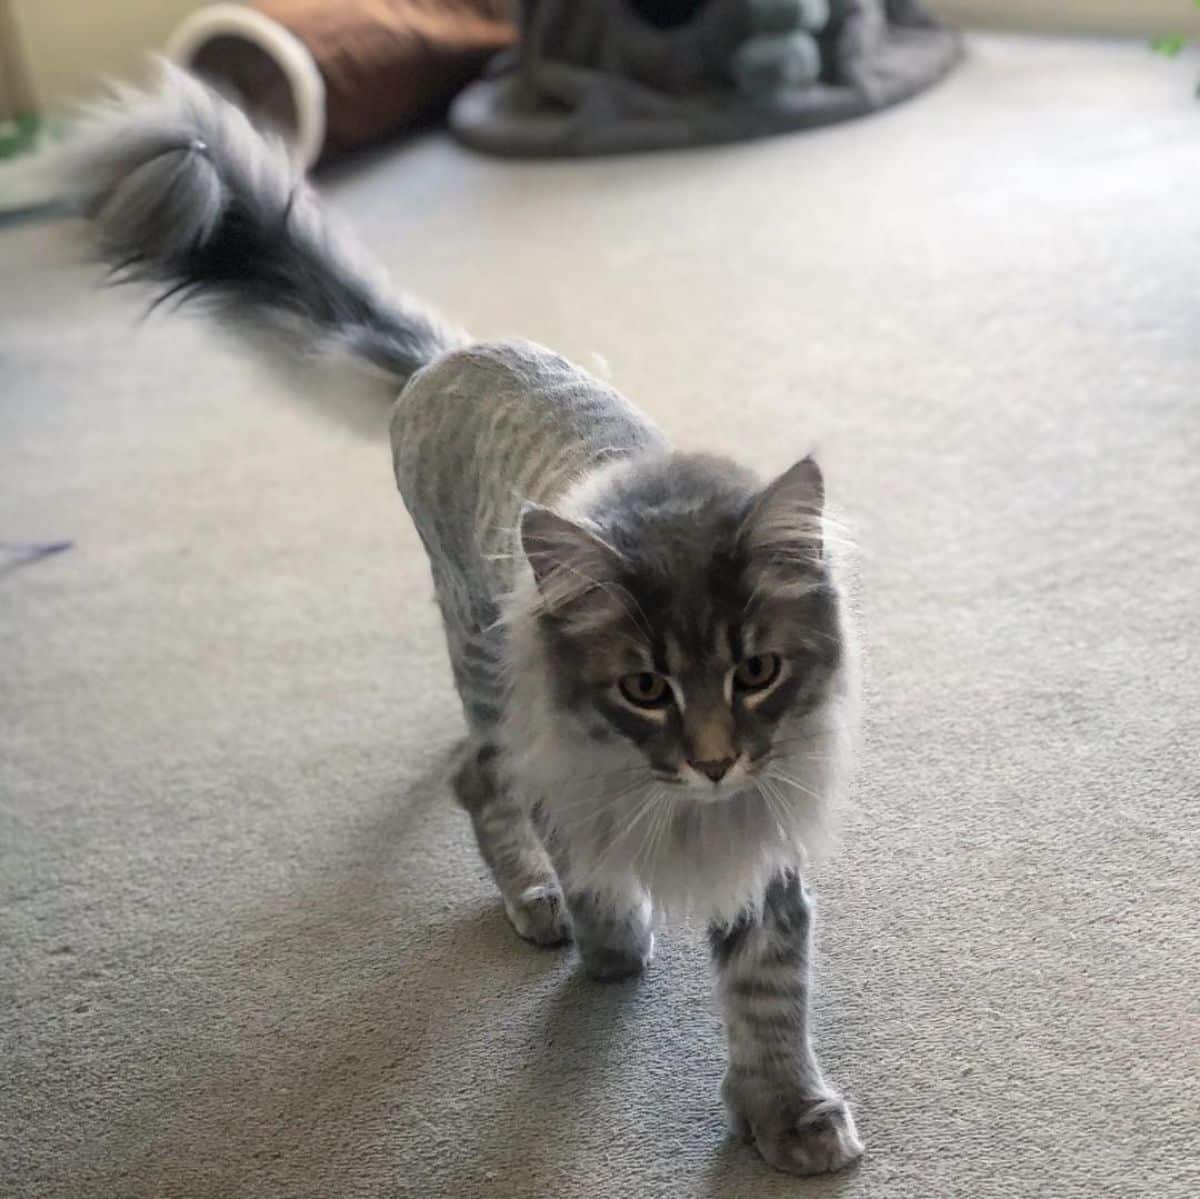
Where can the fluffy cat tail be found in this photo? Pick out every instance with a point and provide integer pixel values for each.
(184, 194)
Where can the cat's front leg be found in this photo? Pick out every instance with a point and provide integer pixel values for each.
(774, 1090)
(612, 932)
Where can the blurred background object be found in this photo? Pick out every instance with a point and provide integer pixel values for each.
(16, 88)
(22, 126)
(68, 47)
(337, 74)
(587, 76)
(332, 74)
(593, 77)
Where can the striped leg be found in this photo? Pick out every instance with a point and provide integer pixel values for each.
(507, 839)
(512, 849)
(774, 1090)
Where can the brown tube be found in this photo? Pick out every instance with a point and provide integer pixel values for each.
(338, 76)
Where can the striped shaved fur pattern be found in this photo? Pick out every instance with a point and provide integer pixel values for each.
(652, 649)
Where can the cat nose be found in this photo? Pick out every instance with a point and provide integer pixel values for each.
(716, 768)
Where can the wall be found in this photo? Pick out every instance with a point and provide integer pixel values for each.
(1138, 18)
(70, 45)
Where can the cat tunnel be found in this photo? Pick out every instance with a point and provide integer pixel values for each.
(563, 77)
(333, 75)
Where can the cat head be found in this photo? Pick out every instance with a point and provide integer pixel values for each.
(688, 618)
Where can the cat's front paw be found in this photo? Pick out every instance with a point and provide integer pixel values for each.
(613, 963)
(819, 1141)
(809, 1135)
(614, 938)
(539, 914)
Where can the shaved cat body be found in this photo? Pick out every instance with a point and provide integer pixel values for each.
(652, 648)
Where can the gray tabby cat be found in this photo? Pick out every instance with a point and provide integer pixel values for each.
(651, 649)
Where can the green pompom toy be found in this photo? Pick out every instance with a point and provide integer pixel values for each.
(772, 62)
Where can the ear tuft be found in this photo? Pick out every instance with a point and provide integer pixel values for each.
(785, 521)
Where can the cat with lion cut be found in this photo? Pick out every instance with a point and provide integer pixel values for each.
(654, 657)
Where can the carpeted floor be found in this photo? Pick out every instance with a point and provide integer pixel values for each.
(247, 946)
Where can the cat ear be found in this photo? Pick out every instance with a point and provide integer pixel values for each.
(568, 560)
(784, 524)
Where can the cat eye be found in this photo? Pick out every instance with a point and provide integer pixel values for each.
(645, 689)
(757, 673)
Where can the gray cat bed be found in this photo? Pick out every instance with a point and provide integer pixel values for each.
(604, 76)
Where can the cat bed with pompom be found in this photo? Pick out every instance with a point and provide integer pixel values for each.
(605, 76)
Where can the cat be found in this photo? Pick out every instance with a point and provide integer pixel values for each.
(653, 653)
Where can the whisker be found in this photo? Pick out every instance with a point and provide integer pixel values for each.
(649, 830)
(575, 780)
(791, 782)
(664, 811)
(772, 802)
(648, 805)
(602, 802)
(793, 740)
(598, 866)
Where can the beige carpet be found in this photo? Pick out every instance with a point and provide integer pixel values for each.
(247, 946)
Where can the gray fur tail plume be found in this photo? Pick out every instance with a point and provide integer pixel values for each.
(185, 195)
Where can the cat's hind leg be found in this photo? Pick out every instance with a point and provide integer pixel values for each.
(511, 847)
